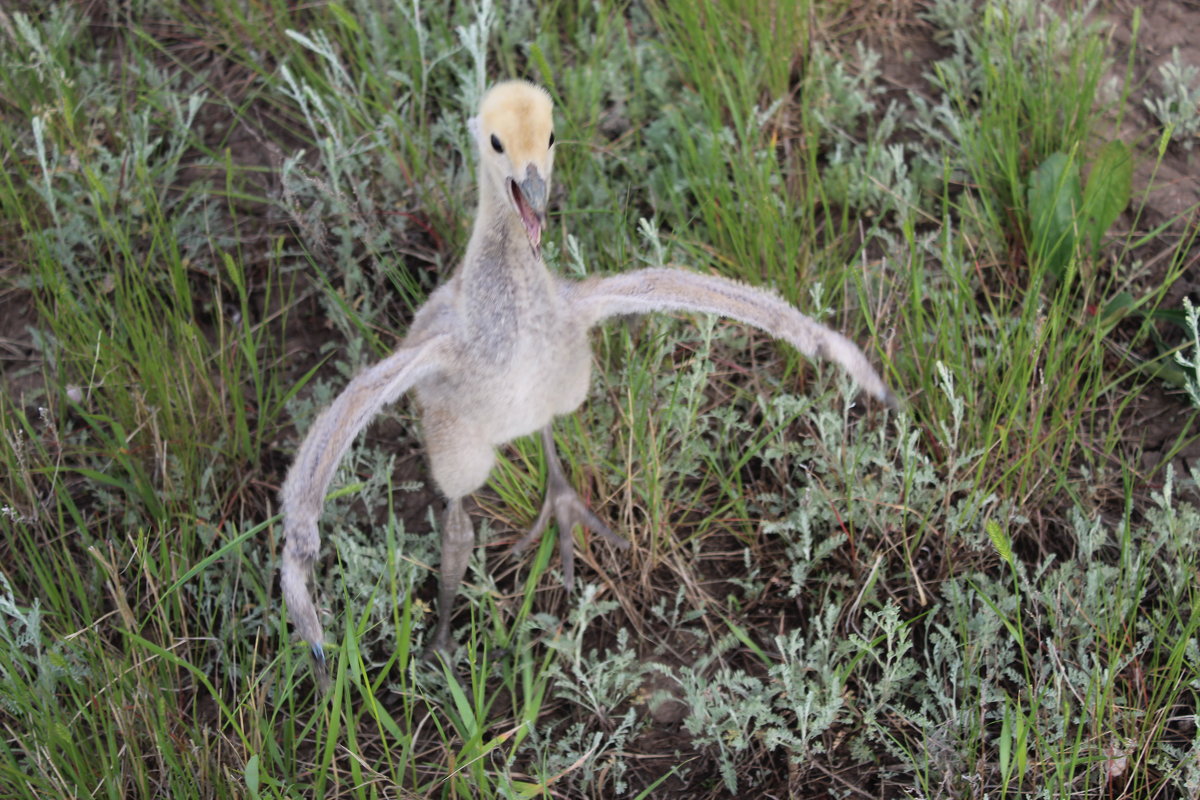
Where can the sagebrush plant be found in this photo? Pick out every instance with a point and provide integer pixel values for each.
(215, 216)
(875, 175)
(1189, 359)
(1178, 107)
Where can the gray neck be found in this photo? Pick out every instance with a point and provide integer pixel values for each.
(501, 279)
(498, 241)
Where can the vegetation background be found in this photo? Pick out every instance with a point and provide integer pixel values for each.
(213, 213)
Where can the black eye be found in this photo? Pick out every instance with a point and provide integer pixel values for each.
(499, 148)
(552, 138)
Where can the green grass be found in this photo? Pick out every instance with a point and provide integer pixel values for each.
(214, 214)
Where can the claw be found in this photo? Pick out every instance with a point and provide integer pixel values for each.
(568, 510)
(320, 667)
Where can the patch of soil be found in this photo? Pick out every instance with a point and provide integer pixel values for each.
(1166, 194)
(19, 358)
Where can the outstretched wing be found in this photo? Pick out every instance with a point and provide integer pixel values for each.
(328, 439)
(665, 289)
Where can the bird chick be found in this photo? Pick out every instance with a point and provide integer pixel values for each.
(501, 349)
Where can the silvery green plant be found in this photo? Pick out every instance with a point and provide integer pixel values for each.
(726, 707)
(866, 171)
(597, 683)
(80, 196)
(986, 677)
(735, 713)
(26, 661)
(1178, 107)
(332, 202)
(803, 695)
(843, 98)
(1191, 363)
(810, 688)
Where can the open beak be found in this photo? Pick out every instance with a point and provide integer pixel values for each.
(529, 198)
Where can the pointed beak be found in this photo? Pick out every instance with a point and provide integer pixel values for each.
(529, 197)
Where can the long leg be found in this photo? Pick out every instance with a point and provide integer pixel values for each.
(568, 510)
(458, 540)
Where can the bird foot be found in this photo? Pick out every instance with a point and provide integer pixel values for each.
(564, 504)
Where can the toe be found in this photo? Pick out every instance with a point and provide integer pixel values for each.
(536, 531)
(592, 522)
